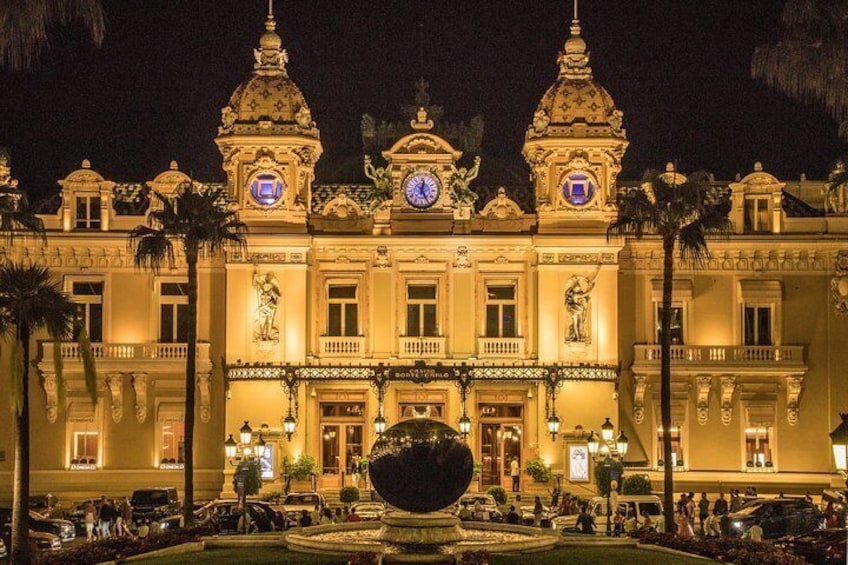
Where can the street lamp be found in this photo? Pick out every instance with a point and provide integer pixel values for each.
(606, 450)
(380, 424)
(553, 424)
(289, 425)
(464, 425)
(237, 453)
(839, 441)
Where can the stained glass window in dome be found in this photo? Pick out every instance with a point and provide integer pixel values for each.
(266, 188)
(578, 189)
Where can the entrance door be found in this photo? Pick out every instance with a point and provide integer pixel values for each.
(341, 449)
(490, 455)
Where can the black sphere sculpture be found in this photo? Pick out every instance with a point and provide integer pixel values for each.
(421, 465)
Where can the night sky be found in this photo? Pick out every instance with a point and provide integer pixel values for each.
(679, 71)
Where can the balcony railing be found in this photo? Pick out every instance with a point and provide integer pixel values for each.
(341, 346)
(500, 347)
(70, 350)
(754, 356)
(422, 347)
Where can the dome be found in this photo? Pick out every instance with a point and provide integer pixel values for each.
(274, 98)
(268, 102)
(576, 101)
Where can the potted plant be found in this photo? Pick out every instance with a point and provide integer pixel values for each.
(538, 471)
(499, 494)
(301, 469)
(348, 495)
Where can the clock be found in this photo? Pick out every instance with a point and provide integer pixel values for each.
(267, 188)
(421, 190)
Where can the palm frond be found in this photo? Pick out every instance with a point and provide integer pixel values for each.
(25, 26)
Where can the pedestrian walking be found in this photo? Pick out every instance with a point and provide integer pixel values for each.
(90, 513)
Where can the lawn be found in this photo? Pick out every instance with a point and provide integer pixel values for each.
(562, 556)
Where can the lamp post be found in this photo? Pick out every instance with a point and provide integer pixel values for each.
(607, 450)
(839, 442)
(237, 452)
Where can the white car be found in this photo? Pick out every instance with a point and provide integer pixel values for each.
(369, 510)
(296, 502)
(638, 504)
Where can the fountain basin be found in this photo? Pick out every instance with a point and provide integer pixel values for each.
(434, 528)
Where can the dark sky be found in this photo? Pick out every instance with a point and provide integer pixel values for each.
(153, 91)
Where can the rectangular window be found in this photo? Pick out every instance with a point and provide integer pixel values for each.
(757, 215)
(342, 311)
(173, 312)
(758, 456)
(88, 212)
(421, 310)
(500, 311)
(676, 329)
(434, 411)
(173, 443)
(89, 299)
(676, 447)
(85, 448)
(756, 325)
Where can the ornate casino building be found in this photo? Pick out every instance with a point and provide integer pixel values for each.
(417, 291)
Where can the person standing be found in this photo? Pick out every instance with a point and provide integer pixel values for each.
(712, 525)
(90, 513)
(537, 511)
(690, 509)
(703, 510)
(126, 513)
(755, 532)
(684, 527)
(720, 505)
(106, 516)
(515, 473)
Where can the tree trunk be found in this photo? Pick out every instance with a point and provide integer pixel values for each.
(191, 387)
(20, 554)
(665, 381)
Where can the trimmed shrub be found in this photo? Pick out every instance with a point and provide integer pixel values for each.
(537, 469)
(498, 493)
(349, 495)
(725, 550)
(602, 476)
(252, 477)
(636, 484)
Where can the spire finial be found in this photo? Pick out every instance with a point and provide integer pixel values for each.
(576, 16)
(574, 60)
(271, 58)
(271, 8)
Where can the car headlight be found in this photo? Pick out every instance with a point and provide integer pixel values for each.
(738, 525)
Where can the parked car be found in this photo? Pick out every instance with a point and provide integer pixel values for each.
(224, 516)
(155, 504)
(529, 519)
(819, 547)
(38, 541)
(47, 505)
(640, 504)
(777, 516)
(63, 529)
(296, 502)
(370, 510)
(486, 502)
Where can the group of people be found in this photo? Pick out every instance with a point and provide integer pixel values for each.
(105, 519)
(323, 516)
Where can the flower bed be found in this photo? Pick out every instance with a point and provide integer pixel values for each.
(113, 549)
(725, 550)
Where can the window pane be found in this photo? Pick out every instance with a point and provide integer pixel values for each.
(509, 320)
(492, 321)
(88, 289)
(501, 292)
(82, 212)
(762, 215)
(748, 326)
(763, 326)
(166, 323)
(413, 320)
(173, 442)
(343, 291)
(421, 292)
(183, 320)
(174, 289)
(351, 322)
(79, 321)
(95, 323)
(429, 320)
(94, 211)
(334, 320)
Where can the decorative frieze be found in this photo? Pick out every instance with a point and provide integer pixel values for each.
(50, 384)
(204, 385)
(115, 384)
(640, 387)
(703, 384)
(794, 387)
(140, 385)
(728, 388)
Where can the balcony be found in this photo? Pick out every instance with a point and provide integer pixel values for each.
(503, 347)
(422, 347)
(148, 357)
(784, 359)
(341, 346)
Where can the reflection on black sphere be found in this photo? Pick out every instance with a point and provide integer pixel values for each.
(421, 466)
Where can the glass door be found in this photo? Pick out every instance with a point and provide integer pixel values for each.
(353, 453)
(330, 450)
(490, 455)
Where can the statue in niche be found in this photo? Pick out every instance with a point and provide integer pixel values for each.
(267, 289)
(382, 190)
(460, 180)
(578, 302)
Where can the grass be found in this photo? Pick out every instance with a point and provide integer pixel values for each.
(561, 556)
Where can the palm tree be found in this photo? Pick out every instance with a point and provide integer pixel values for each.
(199, 220)
(682, 214)
(24, 26)
(811, 63)
(16, 215)
(30, 301)
(836, 200)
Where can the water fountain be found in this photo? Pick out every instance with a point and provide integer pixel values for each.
(420, 467)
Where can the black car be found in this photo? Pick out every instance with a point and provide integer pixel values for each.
(819, 547)
(63, 529)
(224, 516)
(155, 504)
(778, 517)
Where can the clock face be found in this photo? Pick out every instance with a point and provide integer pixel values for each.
(421, 190)
(267, 188)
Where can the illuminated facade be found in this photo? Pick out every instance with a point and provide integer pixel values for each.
(409, 290)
